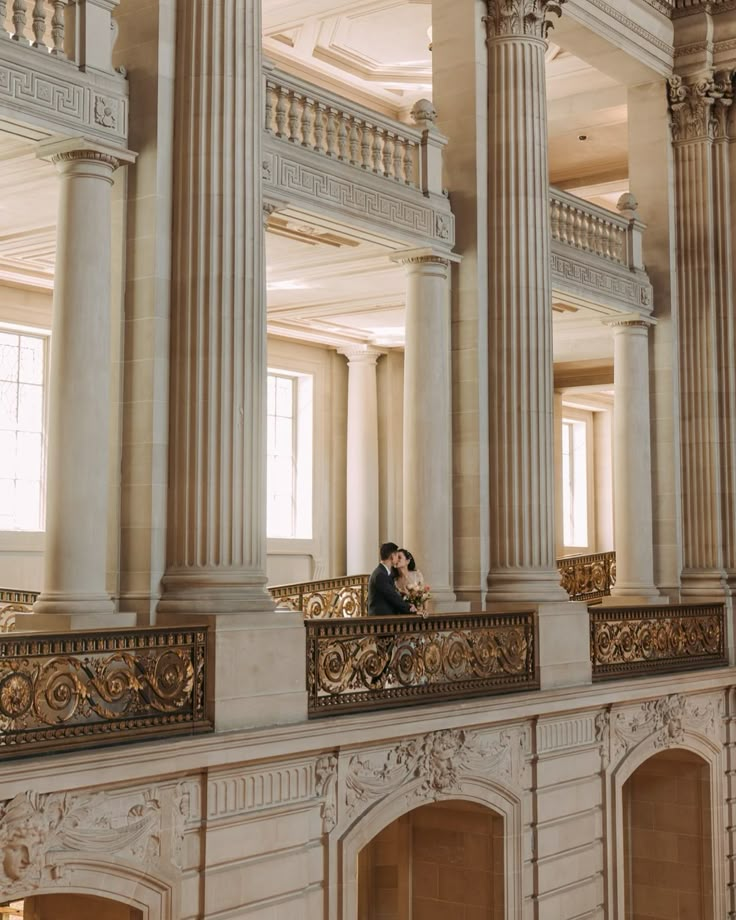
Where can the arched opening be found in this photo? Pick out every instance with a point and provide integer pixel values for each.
(69, 906)
(668, 839)
(439, 861)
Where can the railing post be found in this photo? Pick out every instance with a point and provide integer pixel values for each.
(91, 28)
(430, 153)
(627, 206)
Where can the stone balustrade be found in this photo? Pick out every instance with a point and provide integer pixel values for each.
(56, 68)
(584, 226)
(377, 662)
(331, 126)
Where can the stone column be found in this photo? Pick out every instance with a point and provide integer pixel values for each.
(427, 463)
(632, 467)
(694, 106)
(522, 551)
(362, 538)
(74, 591)
(216, 546)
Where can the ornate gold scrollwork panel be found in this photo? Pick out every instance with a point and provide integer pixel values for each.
(57, 691)
(627, 641)
(380, 661)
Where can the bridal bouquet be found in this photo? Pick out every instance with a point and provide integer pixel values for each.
(419, 595)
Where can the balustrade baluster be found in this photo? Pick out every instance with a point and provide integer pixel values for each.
(308, 123)
(620, 246)
(554, 219)
(366, 146)
(57, 28)
(578, 230)
(270, 104)
(3, 13)
(282, 110)
(398, 160)
(564, 223)
(319, 127)
(354, 141)
(331, 132)
(605, 241)
(19, 22)
(39, 25)
(377, 149)
(388, 155)
(409, 163)
(342, 137)
(295, 116)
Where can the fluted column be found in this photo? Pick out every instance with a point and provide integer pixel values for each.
(217, 474)
(216, 523)
(632, 467)
(74, 593)
(522, 556)
(694, 107)
(362, 536)
(427, 465)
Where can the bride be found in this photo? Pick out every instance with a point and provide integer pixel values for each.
(406, 573)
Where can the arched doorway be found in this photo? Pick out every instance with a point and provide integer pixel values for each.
(76, 907)
(440, 861)
(668, 842)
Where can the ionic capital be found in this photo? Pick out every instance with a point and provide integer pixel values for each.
(631, 322)
(361, 354)
(699, 109)
(85, 153)
(417, 258)
(521, 18)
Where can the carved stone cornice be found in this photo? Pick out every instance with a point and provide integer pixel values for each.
(699, 109)
(688, 7)
(522, 18)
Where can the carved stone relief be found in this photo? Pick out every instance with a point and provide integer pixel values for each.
(526, 18)
(434, 765)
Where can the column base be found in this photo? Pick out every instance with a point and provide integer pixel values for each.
(209, 592)
(68, 622)
(258, 667)
(56, 611)
(525, 586)
(634, 596)
(703, 584)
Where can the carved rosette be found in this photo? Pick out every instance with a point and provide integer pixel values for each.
(700, 109)
(521, 18)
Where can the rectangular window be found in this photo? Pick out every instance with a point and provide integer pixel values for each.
(289, 455)
(575, 483)
(22, 379)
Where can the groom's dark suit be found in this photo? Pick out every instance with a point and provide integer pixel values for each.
(383, 598)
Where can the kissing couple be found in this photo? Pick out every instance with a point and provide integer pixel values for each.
(396, 585)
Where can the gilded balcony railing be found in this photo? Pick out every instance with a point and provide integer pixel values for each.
(61, 691)
(332, 598)
(376, 662)
(635, 641)
(588, 578)
(13, 601)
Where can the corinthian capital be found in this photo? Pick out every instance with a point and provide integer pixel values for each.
(700, 108)
(528, 18)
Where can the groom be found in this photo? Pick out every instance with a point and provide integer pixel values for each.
(383, 598)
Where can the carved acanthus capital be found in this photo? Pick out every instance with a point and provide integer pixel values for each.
(700, 108)
(523, 18)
